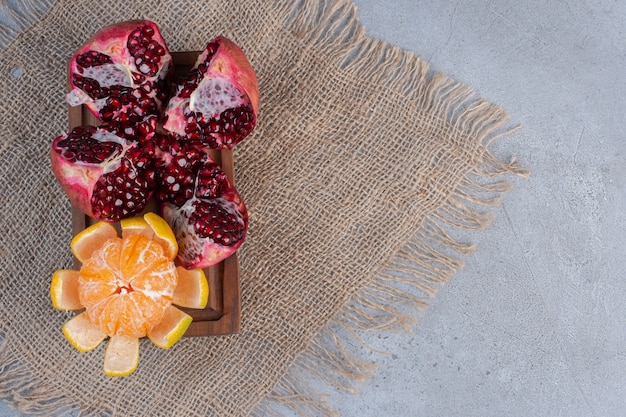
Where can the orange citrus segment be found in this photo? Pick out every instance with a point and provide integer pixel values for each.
(98, 274)
(163, 234)
(64, 290)
(169, 331)
(192, 290)
(159, 281)
(121, 356)
(138, 255)
(90, 239)
(82, 334)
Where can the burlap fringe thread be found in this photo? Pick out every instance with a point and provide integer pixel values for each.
(424, 263)
(432, 256)
(16, 382)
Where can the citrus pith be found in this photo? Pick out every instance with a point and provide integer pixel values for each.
(192, 290)
(169, 331)
(90, 239)
(121, 356)
(64, 290)
(82, 333)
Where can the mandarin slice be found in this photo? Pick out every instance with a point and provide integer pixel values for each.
(121, 356)
(192, 290)
(171, 328)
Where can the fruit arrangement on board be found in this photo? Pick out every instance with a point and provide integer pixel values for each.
(152, 143)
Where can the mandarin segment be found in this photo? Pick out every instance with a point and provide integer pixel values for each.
(138, 255)
(95, 285)
(160, 281)
(105, 314)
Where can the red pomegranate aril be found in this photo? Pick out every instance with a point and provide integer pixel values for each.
(223, 227)
(92, 59)
(147, 31)
(120, 193)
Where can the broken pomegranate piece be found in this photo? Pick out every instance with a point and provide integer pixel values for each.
(202, 206)
(215, 105)
(105, 172)
(121, 73)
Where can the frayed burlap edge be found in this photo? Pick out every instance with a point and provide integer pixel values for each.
(424, 263)
(16, 382)
(432, 256)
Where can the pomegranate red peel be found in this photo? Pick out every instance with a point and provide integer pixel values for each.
(216, 105)
(121, 73)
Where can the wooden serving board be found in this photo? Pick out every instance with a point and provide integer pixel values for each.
(222, 314)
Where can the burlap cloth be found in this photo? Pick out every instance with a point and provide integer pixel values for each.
(361, 165)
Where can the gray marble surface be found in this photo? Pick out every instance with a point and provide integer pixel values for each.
(535, 324)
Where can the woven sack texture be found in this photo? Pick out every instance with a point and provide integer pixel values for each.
(362, 163)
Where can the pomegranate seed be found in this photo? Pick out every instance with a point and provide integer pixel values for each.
(93, 59)
(147, 31)
(138, 78)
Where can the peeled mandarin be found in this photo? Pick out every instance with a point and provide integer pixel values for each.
(126, 285)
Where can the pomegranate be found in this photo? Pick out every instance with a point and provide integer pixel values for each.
(105, 171)
(110, 172)
(121, 73)
(205, 211)
(215, 104)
